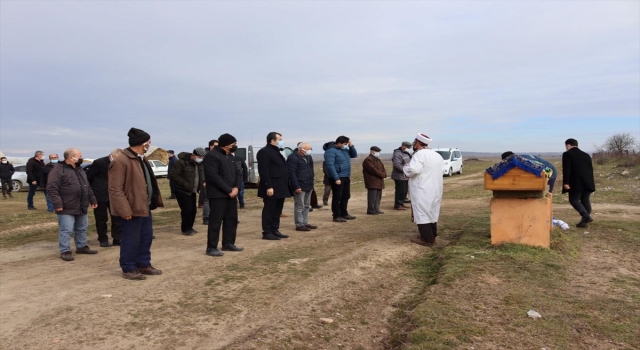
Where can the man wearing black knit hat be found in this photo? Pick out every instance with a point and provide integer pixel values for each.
(188, 176)
(223, 177)
(133, 193)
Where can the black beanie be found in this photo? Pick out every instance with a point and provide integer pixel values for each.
(137, 137)
(226, 140)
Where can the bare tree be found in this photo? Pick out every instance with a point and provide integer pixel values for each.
(618, 143)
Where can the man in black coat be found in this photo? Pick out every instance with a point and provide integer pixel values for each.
(53, 160)
(34, 175)
(223, 178)
(6, 172)
(245, 177)
(98, 175)
(273, 187)
(188, 178)
(172, 160)
(577, 179)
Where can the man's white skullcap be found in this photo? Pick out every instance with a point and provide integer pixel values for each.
(423, 138)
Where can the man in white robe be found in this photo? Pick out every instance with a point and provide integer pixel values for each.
(425, 185)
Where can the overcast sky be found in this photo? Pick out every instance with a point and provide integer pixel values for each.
(479, 75)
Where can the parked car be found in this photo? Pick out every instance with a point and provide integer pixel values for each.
(19, 178)
(452, 160)
(159, 168)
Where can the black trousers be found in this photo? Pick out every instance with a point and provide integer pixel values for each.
(224, 213)
(271, 214)
(102, 213)
(172, 187)
(7, 186)
(202, 198)
(580, 201)
(314, 199)
(428, 232)
(188, 209)
(402, 187)
(341, 195)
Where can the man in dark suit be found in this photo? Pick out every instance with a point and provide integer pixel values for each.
(577, 179)
(274, 185)
(98, 175)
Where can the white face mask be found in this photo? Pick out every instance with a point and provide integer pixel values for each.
(376, 154)
(198, 160)
(307, 152)
(4, 162)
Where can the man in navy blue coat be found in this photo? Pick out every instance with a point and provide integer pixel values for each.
(338, 167)
(273, 187)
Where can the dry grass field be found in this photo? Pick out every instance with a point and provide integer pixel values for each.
(354, 285)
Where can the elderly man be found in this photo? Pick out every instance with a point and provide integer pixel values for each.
(133, 194)
(223, 177)
(6, 172)
(53, 160)
(273, 187)
(577, 179)
(425, 183)
(34, 176)
(98, 175)
(71, 196)
(300, 171)
(338, 167)
(187, 175)
(374, 175)
(401, 157)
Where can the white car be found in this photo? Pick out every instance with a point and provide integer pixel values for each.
(19, 178)
(159, 168)
(452, 160)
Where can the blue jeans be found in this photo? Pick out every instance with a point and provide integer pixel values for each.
(32, 192)
(135, 243)
(76, 224)
(49, 202)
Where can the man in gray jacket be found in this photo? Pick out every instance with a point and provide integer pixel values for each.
(401, 157)
(71, 195)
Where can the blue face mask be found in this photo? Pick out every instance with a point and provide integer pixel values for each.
(345, 147)
(54, 161)
(281, 144)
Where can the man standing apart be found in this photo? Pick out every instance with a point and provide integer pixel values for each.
(6, 172)
(71, 196)
(338, 166)
(133, 193)
(577, 179)
(53, 160)
(172, 161)
(300, 170)
(34, 175)
(274, 185)
(425, 183)
(188, 178)
(223, 184)
(401, 157)
(98, 175)
(374, 175)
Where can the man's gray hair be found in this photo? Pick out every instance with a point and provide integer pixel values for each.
(302, 144)
(116, 152)
(69, 152)
(37, 153)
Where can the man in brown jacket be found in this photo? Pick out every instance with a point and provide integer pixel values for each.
(133, 193)
(71, 195)
(374, 174)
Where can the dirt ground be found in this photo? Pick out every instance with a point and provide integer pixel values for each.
(332, 288)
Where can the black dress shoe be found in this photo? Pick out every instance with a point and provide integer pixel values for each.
(105, 244)
(372, 213)
(189, 232)
(232, 248)
(31, 208)
(317, 207)
(585, 219)
(270, 237)
(116, 242)
(349, 217)
(380, 212)
(339, 219)
(310, 209)
(302, 228)
(214, 252)
(280, 234)
(205, 221)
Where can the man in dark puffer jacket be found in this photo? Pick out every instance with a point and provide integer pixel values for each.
(187, 175)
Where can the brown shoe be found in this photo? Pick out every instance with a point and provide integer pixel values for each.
(134, 275)
(313, 227)
(86, 250)
(419, 241)
(302, 228)
(66, 256)
(149, 270)
(400, 208)
(10, 195)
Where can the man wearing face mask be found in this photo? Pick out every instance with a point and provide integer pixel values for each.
(401, 157)
(203, 202)
(300, 169)
(224, 178)
(69, 190)
(34, 175)
(425, 183)
(374, 175)
(53, 160)
(98, 175)
(338, 166)
(133, 194)
(187, 175)
(273, 187)
(6, 172)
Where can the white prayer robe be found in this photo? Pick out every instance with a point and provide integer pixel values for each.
(425, 185)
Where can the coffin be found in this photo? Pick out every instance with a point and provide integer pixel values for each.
(516, 179)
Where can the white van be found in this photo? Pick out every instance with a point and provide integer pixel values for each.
(452, 160)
